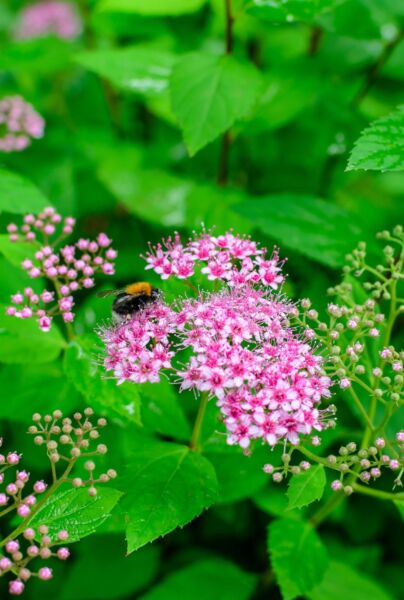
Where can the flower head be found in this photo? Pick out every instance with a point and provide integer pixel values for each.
(19, 124)
(49, 17)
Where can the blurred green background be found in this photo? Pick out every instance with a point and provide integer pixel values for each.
(164, 115)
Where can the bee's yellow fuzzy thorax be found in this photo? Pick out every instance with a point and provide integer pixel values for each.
(141, 287)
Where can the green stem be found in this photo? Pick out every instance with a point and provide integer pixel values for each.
(326, 509)
(194, 442)
(377, 493)
(361, 409)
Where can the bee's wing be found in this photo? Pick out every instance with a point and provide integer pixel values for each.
(106, 293)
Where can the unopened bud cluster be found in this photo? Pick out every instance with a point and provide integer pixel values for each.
(69, 268)
(279, 473)
(367, 464)
(68, 440)
(19, 124)
(18, 553)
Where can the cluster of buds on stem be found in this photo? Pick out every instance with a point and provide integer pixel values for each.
(69, 268)
(19, 124)
(69, 440)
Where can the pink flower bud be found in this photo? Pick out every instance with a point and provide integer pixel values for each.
(65, 290)
(13, 458)
(88, 282)
(51, 272)
(3, 499)
(26, 312)
(108, 268)
(380, 442)
(45, 573)
(47, 296)
(17, 298)
(40, 487)
(63, 553)
(268, 469)
(394, 464)
(336, 485)
(68, 317)
(374, 332)
(32, 551)
(344, 383)
(29, 533)
(111, 254)
(22, 476)
(34, 272)
(12, 228)
(26, 264)
(11, 311)
(400, 436)
(45, 323)
(16, 587)
(23, 510)
(63, 535)
(49, 229)
(74, 285)
(5, 563)
(12, 546)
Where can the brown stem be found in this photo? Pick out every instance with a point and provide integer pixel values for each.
(316, 36)
(223, 170)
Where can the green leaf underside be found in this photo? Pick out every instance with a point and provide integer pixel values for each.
(167, 486)
(342, 581)
(151, 7)
(141, 70)
(18, 195)
(209, 93)
(298, 557)
(21, 341)
(76, 512)
(82, 366)
(212, 578)
(381, 145)
(314, 227)
(306, 487)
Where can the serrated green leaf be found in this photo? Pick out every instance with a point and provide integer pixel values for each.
(18, 195)
(209, 93)
(82, 367)
(76, 511)
(298, 557)
(21, 341)
(213, 578)
(306, 487)
(342, 581)
(139, 70)
(321, 230)
(151, 7)
(381, 146)
(167, 486)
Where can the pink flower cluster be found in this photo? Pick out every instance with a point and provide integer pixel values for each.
(18, 554)
(230, 258)
(49, 18)
(70, 268)
(239, 345)
(19, 122)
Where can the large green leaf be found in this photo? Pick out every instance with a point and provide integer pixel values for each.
(381, 146)
(161, 411)
(342, 581)
(82, 367)
(306, 487)
(35, 388)
(167, 486)
(298, 557)
(209, 93)
(121, 575)
(321, 230)
(213, 578)
(151, 7)
(141, 70)
(21, 341)
(76, 511)
(19, 195)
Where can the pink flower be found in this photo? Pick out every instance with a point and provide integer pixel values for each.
(49, 18)
(20, 123)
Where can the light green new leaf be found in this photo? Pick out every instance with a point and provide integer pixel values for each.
(342, 581)
(82, 367)
(18, 195)
(151, 7)
(212, 578)
(21, 341)
(140, 70)
(77, 512)
(321, 230)
(306, 487)
(381, 146)
(16, 252)
(209, 93)
(167, 486)
(298, 557)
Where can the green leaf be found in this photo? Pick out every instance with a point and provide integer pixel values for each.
(321, 230)
(16, 252)
(121, 575)
(342, 581)
(19, 195)
(151, 7)
(161, 411)
(167, 486)
(400, 507)
(298, 557)
(82, 367)
(306, 487)
(288, 11)
(35, 388)
(210, 93)
(21, 341)
(139, 70)
(381, 146)
(215, 579)
(77, 512)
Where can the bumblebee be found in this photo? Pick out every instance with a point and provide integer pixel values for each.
(131, 299)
